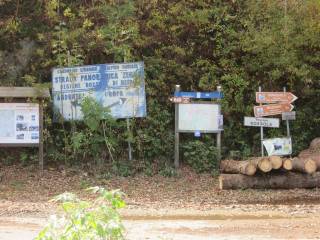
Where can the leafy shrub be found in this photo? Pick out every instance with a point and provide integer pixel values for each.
(154, 137)
(122, 168)
(201, 156)
(98, 219)
(168, 171)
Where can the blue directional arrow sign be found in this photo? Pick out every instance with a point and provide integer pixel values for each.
(216, 94)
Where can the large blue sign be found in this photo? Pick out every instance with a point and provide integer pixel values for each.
(117, 86)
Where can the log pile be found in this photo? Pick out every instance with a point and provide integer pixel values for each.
(274, 172)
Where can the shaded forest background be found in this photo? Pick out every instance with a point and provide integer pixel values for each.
(199, 44)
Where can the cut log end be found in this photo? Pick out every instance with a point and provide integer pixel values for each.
(265, 165)
(276, 162)
(310, 166)
(250, 169)
(287, 164)
(304, 165)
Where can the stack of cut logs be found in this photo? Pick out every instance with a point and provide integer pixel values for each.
(274, 172)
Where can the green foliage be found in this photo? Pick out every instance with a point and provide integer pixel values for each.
(197, 44)
(153, 136)
(168, 170)
(96, 219)
(200, 156)
(122, 168)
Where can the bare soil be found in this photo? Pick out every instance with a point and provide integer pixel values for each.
(189, 206)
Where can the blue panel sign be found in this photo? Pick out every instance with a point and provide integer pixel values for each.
(211, 95)
(117, 86)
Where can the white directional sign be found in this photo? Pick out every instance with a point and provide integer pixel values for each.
(261, 122)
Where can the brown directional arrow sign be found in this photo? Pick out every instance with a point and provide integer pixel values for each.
(274, 97)
(272, 109)
(179, 99)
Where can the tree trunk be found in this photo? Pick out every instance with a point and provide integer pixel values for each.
(276, 162)
(262, 163)
(232, 166)
(304, 165)
(287, 164)
(287, 180)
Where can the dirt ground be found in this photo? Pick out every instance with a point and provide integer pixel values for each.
(189, 206)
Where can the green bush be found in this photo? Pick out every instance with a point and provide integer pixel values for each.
(201, 156)
(89, 220)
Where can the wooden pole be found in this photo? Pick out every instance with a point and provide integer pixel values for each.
(261, 133)
(176, 131)
(219, 136)
(287, 121)
(219, 148)
(129, 143)
(41, 135)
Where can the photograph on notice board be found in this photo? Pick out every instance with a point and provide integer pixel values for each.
(20, 136)
(34, 128)
(19, 123)
(20, 117)
(21, 127)
(34, 136)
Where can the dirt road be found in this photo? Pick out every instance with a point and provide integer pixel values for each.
(178, 225)
(189, 206)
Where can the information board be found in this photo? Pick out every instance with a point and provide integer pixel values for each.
(120, 87)
(203, 117)
(19, 123)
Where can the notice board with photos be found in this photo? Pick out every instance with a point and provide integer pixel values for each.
(21, 117)
(19, 123)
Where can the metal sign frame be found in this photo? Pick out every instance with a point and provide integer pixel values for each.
(177, 131)
(261, 127)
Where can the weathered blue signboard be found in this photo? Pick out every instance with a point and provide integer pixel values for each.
(117, 86)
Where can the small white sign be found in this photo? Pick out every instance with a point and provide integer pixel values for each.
(289, 115)
(261, 122)
(278, 146)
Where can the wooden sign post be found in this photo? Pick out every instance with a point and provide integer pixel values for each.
(22, 120)
(277, 103)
